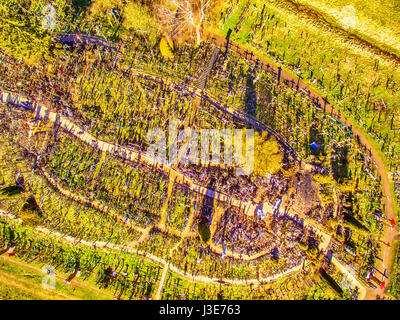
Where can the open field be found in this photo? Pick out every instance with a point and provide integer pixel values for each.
(20, 281)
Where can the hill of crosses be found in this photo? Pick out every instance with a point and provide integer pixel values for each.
(199, 150)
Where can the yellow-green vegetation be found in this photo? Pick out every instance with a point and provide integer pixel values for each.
(353, 223)
(140, 19)
(268, 158)
(184, 21)
(114, 108)
(339, 234)
(166, 48)
(327, 187)
(303, 246)
(312, 253)
(376, 19)
(128, 18)
(365, 79)
(394, 282)
(22, 35)
(323, 179)
(30, 212)
(347, 185)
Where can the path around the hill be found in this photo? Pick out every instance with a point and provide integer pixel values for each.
(128, 154)
(173, 268)
(249, 208)
(389, 234)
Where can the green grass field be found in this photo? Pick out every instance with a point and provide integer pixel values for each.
(18, 281)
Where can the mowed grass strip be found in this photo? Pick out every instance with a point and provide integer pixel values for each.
(24, 282)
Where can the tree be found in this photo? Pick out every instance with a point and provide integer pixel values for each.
(268, 158)
(312, 253)
(347, 185)
(303, 245)
(140, 19)
(184, 19)
(21, 33)
(99, 7)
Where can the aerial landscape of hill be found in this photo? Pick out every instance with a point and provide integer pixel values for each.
(199, 150)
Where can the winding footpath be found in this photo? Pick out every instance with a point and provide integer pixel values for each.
(126, 153)
(171, 267)
(248, 207)
(167, 265)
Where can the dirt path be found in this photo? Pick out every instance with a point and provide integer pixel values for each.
(389, 234)
(170, 266)
(351, 277)
(130, 155)
(162, 282)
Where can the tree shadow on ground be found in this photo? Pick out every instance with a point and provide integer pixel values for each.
(250, 99)
(11, 190)
(332, 283)
(339, 163)
(317, 138)
(206, 211)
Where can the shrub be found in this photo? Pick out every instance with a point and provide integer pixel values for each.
(204, 232)
(268, 158)
(166, 48)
